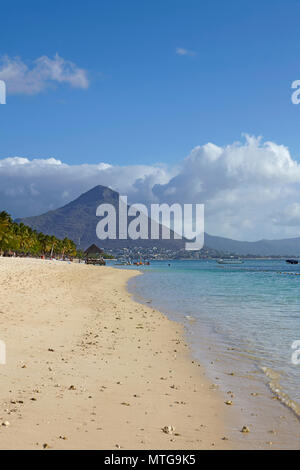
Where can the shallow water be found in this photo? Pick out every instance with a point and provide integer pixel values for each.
(250, 311)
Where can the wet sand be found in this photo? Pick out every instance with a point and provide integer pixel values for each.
(89, 368)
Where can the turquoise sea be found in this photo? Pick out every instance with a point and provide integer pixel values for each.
(250, 312)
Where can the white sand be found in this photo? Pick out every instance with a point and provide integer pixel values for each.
(118, 373)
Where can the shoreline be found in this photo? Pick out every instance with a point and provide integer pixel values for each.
(90, 368)
(273, 424)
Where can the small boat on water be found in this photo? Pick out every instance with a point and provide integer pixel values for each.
(292, 261)
(230, 261)
(123, 262)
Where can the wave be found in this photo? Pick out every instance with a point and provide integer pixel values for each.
(277, 390)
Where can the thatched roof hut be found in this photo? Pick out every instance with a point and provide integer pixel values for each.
(93, 250)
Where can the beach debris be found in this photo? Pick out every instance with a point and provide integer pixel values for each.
(125, 403)
(254, 394)
(174, 387)
(45, 446)
(168, 429)
(72, 387)
(24, 366)
(228, 402)
(64, 438)
(245, 430)
(6, 424)
(50, 349)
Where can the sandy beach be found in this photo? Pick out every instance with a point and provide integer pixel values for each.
(89, 368)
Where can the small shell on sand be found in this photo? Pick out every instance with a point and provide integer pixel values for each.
(245, 429)
(168, 429)
(6, 423)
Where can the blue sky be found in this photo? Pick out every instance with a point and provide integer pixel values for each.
(145, 86)
(145, 103)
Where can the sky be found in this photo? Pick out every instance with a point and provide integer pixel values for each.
(187, 98)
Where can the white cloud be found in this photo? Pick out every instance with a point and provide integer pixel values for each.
(56, 183)
(21, 78)
(289, 216)
(183, 51)
(250, 189)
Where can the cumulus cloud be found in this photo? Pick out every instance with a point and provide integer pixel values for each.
(31, 187)
(288, 216)
(30, 79)
(183, 51)
(250, 189)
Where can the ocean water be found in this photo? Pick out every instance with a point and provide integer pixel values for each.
(251, 313)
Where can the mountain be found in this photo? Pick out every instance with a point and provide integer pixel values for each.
(284, 247)
(77, 221)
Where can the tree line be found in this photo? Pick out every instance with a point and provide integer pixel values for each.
(23, 240)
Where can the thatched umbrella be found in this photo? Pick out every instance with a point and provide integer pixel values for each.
(93, 251)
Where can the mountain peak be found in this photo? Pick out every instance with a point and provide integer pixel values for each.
(97, 194)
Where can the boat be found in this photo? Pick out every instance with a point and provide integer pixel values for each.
(230, 261)
(123, 262)
(292, 261)
(140, 262)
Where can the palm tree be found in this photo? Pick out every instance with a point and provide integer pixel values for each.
(19, 237)
(5, 228)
